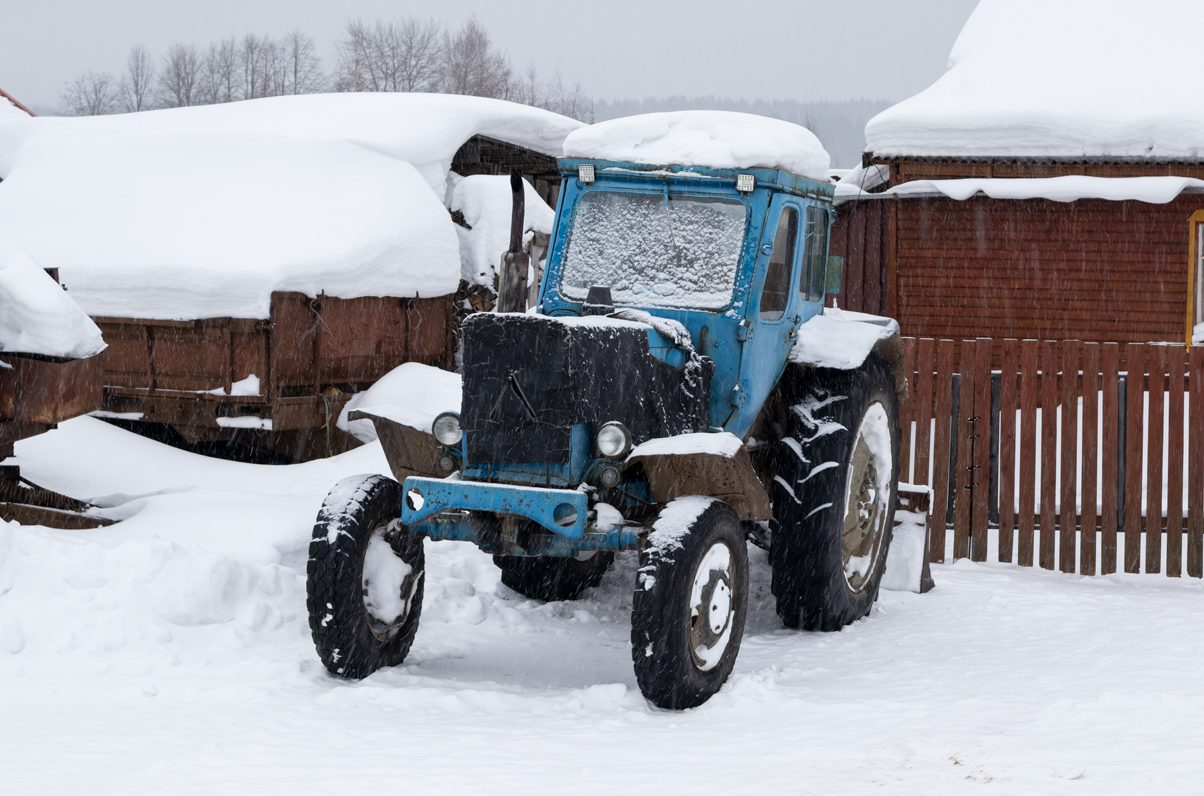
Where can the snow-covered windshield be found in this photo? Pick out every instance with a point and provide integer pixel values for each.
(653, 252)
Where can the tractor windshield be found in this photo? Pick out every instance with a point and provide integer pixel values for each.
(655, 249)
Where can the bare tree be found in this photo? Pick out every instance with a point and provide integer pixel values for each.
(91, 94)
(404, 55)
(472, 66)
(351, 69)
(220, 78)
(302, 67)
(253, 57)
(137, 85)
(418, 54)
(554, 96)
(179, 80)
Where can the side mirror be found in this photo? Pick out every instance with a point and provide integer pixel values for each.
(835, 272)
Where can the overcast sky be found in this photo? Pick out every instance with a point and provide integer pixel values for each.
(620, 49)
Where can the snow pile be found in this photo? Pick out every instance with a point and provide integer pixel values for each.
(722, 443)
(1197, 335)
(1060, 78)
(412, 394)
(37, 317)
(840, 339)
(711, 139)
(205, 211)
(487, 204)
(861, 179)
(1155, 190)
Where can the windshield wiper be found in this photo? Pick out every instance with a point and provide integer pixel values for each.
(672, 237)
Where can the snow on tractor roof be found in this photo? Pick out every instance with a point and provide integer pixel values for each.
(709, 139)
(1060, 78)
(205, 211)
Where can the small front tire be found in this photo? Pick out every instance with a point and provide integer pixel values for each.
(690, 601)
(364, 578)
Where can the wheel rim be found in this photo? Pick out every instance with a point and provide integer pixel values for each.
(712, 607)
(867, 497)
(388, 583)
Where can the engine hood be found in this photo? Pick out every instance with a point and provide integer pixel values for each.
(528, 379)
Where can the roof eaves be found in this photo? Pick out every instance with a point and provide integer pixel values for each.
(13, 100)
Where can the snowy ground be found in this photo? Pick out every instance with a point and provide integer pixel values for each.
(170, 654)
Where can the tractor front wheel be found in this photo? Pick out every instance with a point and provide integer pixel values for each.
(364, 578)
(691, 596)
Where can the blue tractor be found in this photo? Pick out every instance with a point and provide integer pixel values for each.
(679, 391)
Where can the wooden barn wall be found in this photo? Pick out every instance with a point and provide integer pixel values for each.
(1090, 270)
(1037, 269)
(861, 236)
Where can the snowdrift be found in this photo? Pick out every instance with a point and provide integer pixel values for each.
(204, 212)
(1059, 78)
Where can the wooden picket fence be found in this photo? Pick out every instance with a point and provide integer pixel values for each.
(1108, 459)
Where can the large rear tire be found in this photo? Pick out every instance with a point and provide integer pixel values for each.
(364, 578)
(552, 579)
(835, 494)
(690, 601)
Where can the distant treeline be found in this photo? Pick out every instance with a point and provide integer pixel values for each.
(406, 54)
(403, 54)
(839, 125)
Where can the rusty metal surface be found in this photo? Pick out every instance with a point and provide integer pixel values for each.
(408, 450)
(49, 390)
(310, 356)
(27, 503)
(731, 480)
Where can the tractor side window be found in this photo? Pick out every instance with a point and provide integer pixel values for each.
(776, 294)
(815, 256)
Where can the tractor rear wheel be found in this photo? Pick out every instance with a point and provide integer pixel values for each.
(834, 497)
(552, 579)
(364, 578)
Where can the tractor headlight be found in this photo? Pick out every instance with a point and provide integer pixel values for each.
(614, 440)
(446, 429)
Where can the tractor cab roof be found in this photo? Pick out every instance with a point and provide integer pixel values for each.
(776, 178)
(708, 140)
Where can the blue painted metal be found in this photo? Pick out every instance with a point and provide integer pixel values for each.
(464, 526)
(749, 353)
(439, 494)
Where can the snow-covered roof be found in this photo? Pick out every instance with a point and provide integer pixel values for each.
(205, 211)
(1155, 190)
(1060, 79)
(710, 139)
(37, 317)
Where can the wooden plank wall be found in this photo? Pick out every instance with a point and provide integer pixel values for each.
(1090, 270)
(1072, 493)
(861, 236)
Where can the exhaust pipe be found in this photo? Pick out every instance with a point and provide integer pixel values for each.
(512, 288)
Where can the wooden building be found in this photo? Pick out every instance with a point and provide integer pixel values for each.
(272, 374)
(1000, 202)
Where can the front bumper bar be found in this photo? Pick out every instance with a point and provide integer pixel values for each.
(426, 497)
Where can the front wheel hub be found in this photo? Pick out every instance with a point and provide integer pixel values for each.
(712, 605)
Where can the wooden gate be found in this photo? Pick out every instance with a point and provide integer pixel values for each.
(1082, 457)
